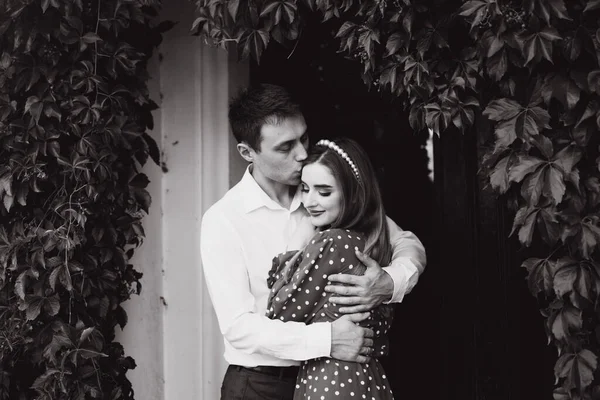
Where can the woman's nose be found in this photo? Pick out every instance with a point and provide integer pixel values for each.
(309, 199)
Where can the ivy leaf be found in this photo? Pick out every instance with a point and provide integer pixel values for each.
(91, 37)
(531, 121)
(41, 382)
(497, 65)
(139, 181)
(533, 186)
(554, 187)
(435, 118)
(572, 47)
(416, 117)
(253, 43)
(471, 7)
(526, 227)
(592, 5)
(544, 145)
(565, 321)
(577, 369)
(548, 8)
(32, 307)
(540, 275)
(548, 226)
(34, 106)
(499, 176)
(475, 9)
(563, 89)
(408, 20)
(505, 111)
(394, 42)
(280, 9)
(143, 198)
(59, 342)
(567, 158)
(51, 305)
(582, 129)
(85, 334)
(594, 81)
(515, 120)
(539, 45)
(570, 277)
(8, 202)
(21, 283)
(62, 274)
(232, 7)
(524, 165)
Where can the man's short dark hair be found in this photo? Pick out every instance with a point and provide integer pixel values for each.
(257, 106)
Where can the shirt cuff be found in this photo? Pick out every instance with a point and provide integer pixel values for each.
(319, 339)
(405, 274)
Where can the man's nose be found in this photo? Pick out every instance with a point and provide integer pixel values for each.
(301, 153)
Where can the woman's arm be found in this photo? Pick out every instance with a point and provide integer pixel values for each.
(326, 253)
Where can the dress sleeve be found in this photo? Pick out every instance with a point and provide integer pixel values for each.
(279, 267)
(328, 252)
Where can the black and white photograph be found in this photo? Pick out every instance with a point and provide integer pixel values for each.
(299, 199)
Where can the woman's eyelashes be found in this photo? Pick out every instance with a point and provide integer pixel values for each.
(305, 189)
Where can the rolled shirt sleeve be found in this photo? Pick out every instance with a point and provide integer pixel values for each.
(408, 261)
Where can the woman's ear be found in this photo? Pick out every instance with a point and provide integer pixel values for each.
(246, 151)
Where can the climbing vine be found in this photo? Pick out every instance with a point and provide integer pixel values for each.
(74, 110)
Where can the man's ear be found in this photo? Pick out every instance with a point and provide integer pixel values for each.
(246, 151)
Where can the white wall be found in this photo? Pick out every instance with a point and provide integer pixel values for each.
(172, 332)
(142, 337)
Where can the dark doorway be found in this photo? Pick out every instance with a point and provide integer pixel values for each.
(469, 329)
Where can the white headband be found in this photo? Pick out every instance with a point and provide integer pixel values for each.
(342, 153)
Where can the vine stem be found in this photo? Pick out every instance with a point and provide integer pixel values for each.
(96, 42)
(96, 47)
(554, 251)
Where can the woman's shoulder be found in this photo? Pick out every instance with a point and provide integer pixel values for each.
(338, 236)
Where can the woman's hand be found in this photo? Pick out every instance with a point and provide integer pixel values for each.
(304, 231)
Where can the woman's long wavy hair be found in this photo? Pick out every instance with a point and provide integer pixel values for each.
(362, 206)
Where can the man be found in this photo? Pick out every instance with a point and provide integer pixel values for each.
(251, 224)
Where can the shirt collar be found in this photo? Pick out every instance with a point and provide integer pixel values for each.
(254, 197)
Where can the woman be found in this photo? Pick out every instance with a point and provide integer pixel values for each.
(341, 195)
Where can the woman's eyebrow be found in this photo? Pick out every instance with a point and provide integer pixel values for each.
(323, 186)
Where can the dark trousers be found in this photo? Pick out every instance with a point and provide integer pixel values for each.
(247, 384)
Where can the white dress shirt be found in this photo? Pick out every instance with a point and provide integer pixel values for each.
(240, 235)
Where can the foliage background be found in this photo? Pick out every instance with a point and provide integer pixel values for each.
(526, 69)
(74, 109)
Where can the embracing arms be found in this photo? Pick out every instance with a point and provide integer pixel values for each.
(228, 284)
(382, 285)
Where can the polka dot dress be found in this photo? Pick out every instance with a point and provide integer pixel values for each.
(297, 280)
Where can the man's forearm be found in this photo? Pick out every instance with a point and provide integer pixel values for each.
(252, 333)
(405, 276)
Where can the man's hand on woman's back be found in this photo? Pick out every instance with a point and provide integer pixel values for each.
(350, 342)
(361, 293)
